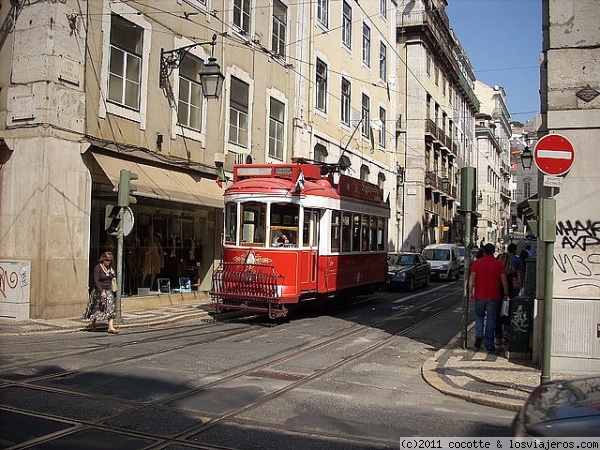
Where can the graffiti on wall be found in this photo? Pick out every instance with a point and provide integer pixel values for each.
(14, 281)
(577, 257)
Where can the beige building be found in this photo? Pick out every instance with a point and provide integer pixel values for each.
(492, 160)
(436, 125)
(571, 108)
(93, 88)
(347, 90)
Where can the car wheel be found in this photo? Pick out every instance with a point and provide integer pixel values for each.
(410, 285)
(427, 278)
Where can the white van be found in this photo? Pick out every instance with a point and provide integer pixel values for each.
(444, 260)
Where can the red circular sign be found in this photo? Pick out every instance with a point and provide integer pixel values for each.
(554, 154)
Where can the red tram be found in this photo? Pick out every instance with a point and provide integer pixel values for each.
(295, 232)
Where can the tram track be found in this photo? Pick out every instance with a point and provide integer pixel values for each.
(268, 366)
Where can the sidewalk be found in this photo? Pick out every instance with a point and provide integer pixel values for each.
(475, 376)
(480, 377)
(130, 319)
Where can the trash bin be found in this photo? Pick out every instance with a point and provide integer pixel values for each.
(521, 326)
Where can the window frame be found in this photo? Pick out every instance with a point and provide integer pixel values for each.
(365, 105)
(182, 78)
(105, 107)
(366, 45)
(323, 12)
(279, 30)
(345, 101)
(383, 130)
(382, 61)
(321, 81)
(347, 24)
(245, 12)
(279, 139)
(240, 112)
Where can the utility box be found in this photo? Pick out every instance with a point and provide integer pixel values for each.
(521, 327)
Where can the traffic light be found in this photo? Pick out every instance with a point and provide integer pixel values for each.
(126, 188)
(468, 176)
(531, 214)
(547, 220)
(112, 219)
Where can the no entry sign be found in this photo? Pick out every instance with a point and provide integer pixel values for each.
(554, 154)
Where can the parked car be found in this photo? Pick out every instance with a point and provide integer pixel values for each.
(561, 408)
(407, 270)
(444, 260)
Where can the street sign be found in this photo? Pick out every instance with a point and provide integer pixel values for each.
(552, 181)
(554, 154)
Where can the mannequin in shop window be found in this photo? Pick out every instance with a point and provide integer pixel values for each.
(154, 257)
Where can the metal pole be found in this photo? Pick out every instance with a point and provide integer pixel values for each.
(465, 298)
(547, 234)
(548, 293)
(119, 317)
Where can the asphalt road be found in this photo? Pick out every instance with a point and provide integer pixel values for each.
(344, 376)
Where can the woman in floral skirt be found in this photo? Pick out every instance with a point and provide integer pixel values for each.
(101, 305)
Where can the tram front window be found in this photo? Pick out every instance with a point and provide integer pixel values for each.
(284, 225)
(253, 223)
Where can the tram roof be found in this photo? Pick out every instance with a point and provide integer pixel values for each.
(305, 179)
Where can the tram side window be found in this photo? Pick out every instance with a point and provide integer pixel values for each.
(356, 233)
(230, 223)
(364, 233)
(253, 223)
(346, 232)
(373, 234)
(381, 226)
(335, 231)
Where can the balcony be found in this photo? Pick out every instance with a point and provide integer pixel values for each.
(440, 136)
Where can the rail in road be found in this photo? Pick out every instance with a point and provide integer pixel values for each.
(330, 351)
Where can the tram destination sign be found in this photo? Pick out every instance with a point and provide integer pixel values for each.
(351, 187)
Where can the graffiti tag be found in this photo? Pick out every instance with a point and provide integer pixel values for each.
(580, 234)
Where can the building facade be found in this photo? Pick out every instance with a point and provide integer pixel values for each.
(436, 124)
(571, 108)
(94, 88)
(493, 133)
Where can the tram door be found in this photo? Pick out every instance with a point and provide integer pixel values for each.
(308, 253)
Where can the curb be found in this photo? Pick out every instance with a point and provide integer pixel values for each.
(124, 325)
(429, 373)
(431, 376)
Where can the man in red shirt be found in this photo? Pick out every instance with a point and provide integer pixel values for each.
(486, 280)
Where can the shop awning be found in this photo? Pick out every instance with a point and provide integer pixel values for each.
(163, 184)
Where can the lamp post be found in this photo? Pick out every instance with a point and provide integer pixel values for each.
(211, 77)
(544, 210)
(526, 158)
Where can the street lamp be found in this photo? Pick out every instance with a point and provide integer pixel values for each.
(526, 158)
(211, 77)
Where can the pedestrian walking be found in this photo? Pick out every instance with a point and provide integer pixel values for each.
(101, 303)
(502, 318)
(488, 285)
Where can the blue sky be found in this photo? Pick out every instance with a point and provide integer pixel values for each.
(503, 39)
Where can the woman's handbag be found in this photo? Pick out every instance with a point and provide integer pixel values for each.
(113, 284)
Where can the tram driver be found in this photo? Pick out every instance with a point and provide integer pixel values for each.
(283, 239)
